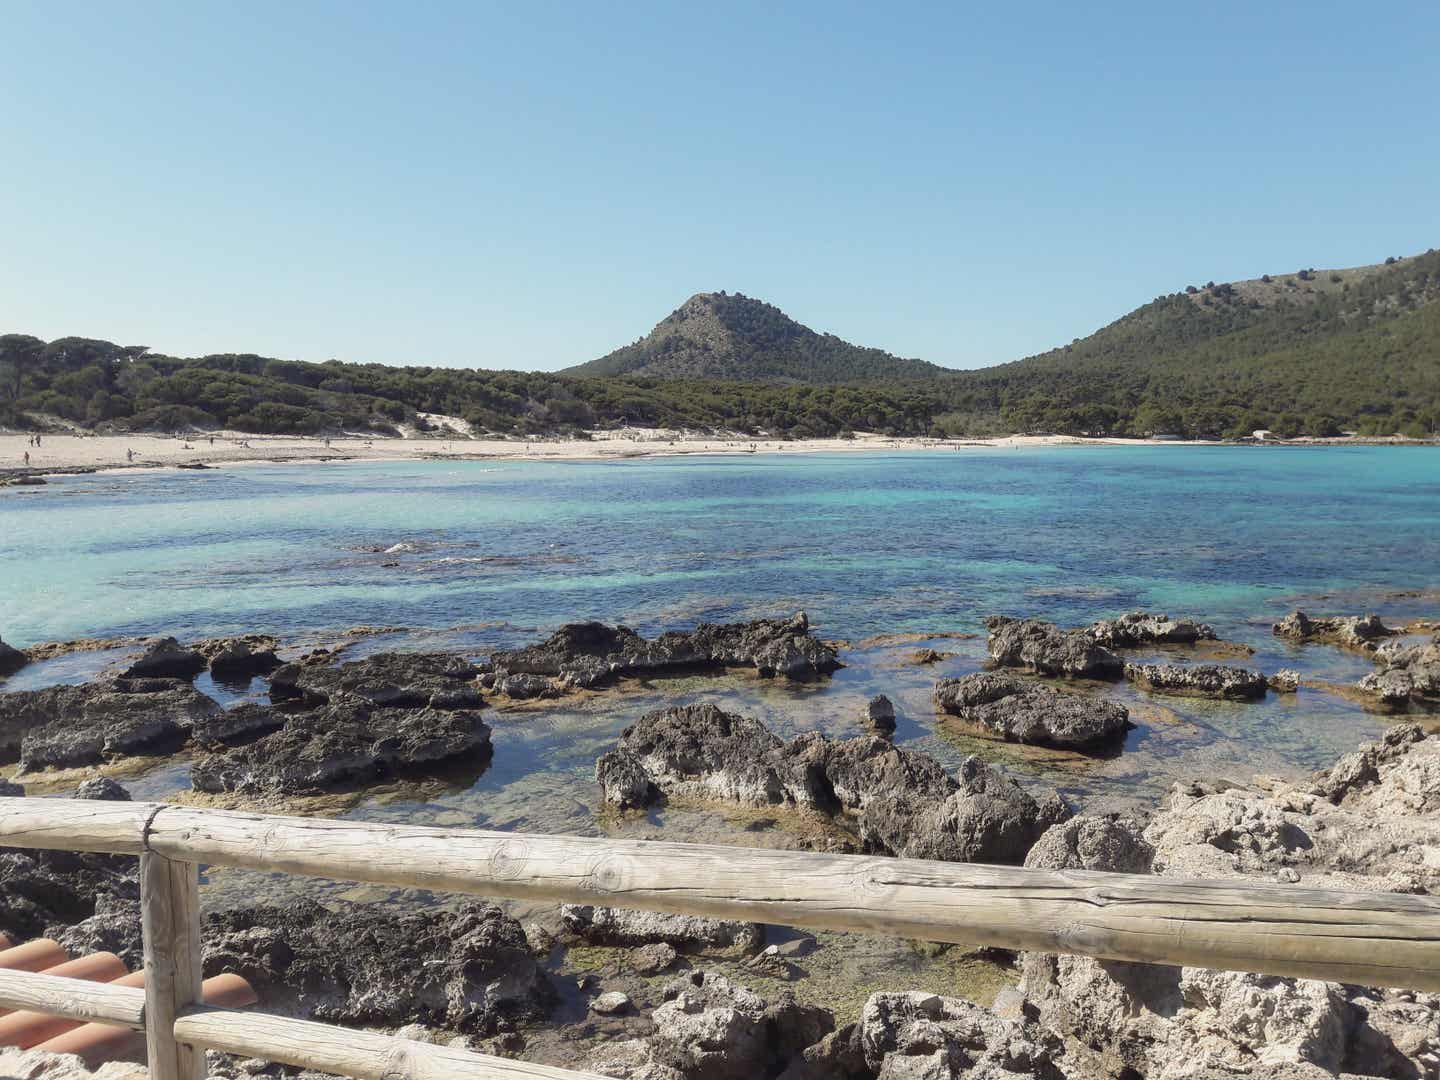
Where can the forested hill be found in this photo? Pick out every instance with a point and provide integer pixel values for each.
(733, 337)
(1310, 352)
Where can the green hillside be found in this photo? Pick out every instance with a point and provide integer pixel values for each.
(732, 337)
(1311, 352)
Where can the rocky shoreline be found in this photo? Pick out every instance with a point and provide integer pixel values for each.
(656, 997)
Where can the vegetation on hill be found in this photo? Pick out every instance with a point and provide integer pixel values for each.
(1301, 354)
(733, 337)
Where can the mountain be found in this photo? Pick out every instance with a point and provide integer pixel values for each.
(1311, 350)
(739, 339)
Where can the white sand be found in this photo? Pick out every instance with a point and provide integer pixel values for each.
(79, 451)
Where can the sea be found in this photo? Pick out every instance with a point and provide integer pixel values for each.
(886, 552)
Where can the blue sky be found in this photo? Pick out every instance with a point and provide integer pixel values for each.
(531, 185)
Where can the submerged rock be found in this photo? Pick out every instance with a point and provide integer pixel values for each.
(1018, 711)
(591, 654)
(899, 801)
(625, 928)
(166, 658)
(390, 680)
(1360, 632)
(1045, 649)
(67, 726)
(1138, 628)
(11, 659)
(1199, 680)
(343, 746)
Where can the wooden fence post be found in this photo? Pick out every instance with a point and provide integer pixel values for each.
(170, 920)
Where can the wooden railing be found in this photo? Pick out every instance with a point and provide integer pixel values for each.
(1375, 939)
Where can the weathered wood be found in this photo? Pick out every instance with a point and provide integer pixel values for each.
(73, 824)
(1377, 939)
(75, 999)
(348, 1052)
(170, 921)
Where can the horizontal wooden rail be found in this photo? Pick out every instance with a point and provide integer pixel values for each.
(347, 1052)
(74, 999)
(1375, 939)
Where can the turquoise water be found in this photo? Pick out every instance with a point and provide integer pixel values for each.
(472, 556)
(866, 544)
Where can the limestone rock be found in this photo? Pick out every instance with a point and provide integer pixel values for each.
(1018, 711)
(627, 928)
(1362, 633)
(1137, 628)
(900, 801)
(1199, 680)
(1045, 649)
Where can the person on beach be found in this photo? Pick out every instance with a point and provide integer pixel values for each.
(129, 454)
(27, 457)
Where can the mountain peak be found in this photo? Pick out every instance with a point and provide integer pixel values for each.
(725, 335)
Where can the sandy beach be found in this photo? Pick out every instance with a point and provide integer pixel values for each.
(83, 452)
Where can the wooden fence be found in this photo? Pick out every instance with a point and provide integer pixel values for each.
(1375, 939)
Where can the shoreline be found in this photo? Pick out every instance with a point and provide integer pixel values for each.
(71, 454)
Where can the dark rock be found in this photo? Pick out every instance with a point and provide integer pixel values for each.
(9, 790)
(166, 658)
(236, 726)
(591, 654)
(250, 654)
(390, 680)
(1045, 649)
(11, 659)
(1018, 711)
(113, 927)
(625, 928)
(901, 802)
(103, 789)
(341, 746)
(1199, 680)
(41, 889)
(881, 713)
(66, 726)
(1138, 628)
(1362, 633)
(467, 969)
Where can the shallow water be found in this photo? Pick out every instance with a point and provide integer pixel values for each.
(474, 556)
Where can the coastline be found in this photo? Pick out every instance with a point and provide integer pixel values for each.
(71, 453)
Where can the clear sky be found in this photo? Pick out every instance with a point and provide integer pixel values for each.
(529, 185)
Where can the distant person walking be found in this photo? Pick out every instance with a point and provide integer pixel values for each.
(27, 457)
